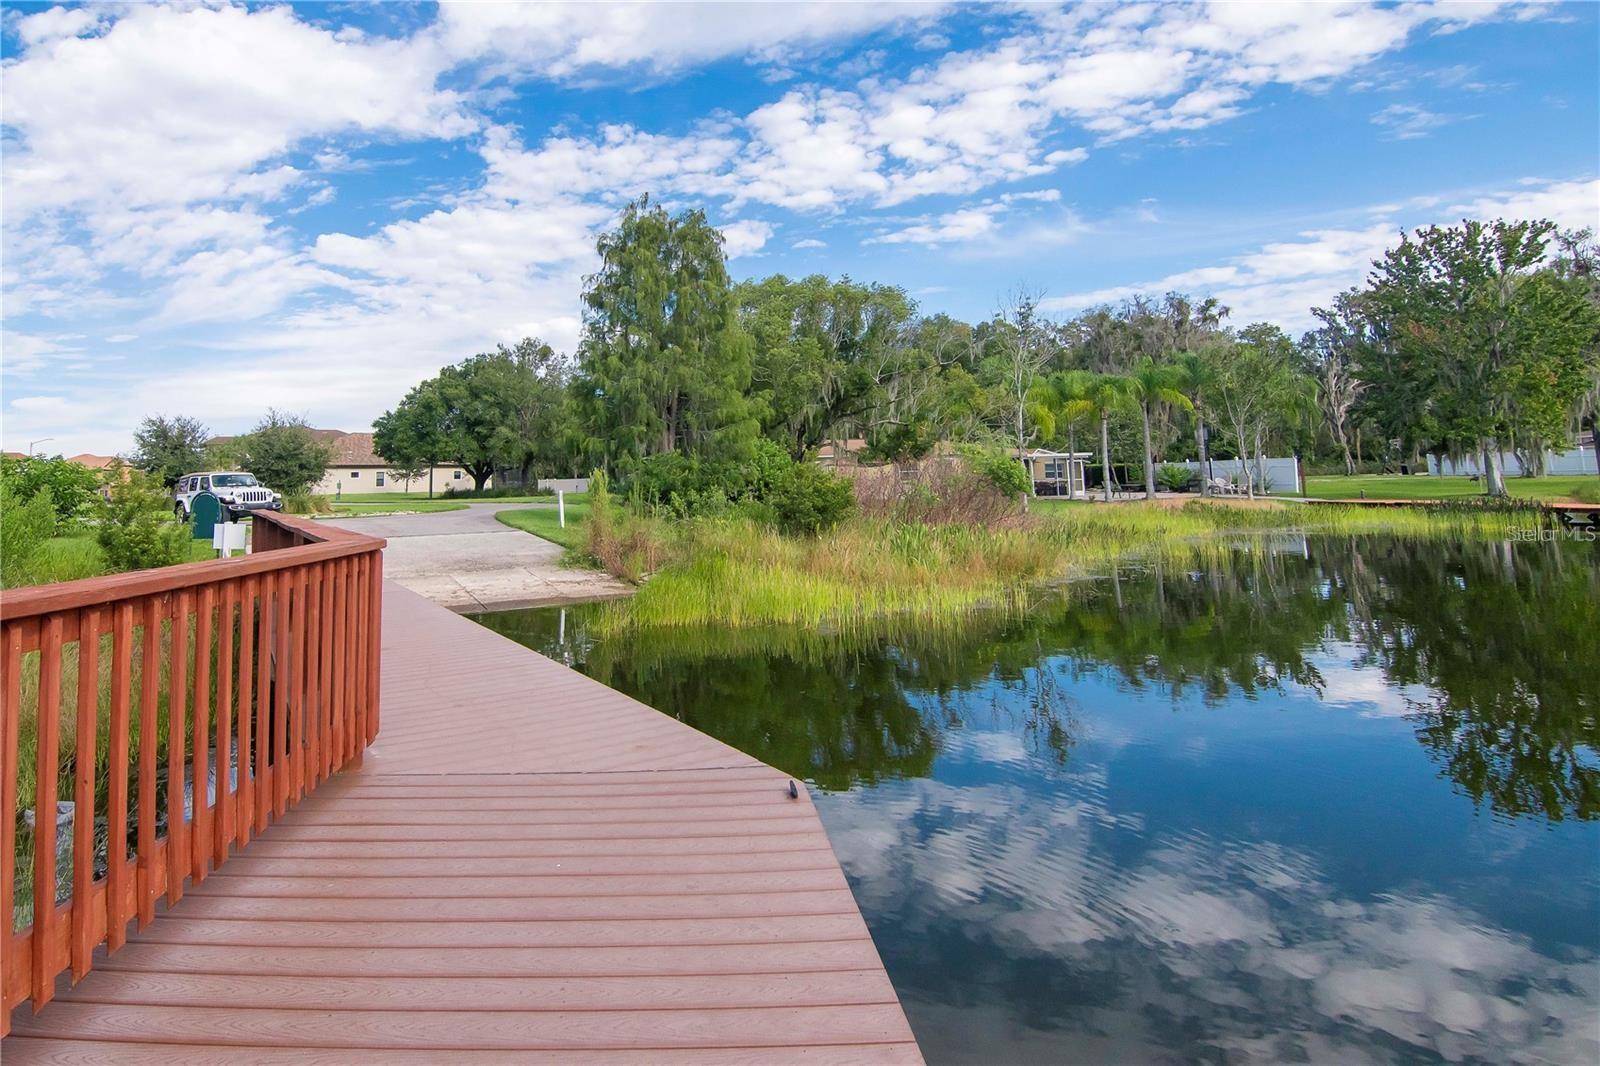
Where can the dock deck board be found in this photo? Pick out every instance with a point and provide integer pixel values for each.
(527, 866)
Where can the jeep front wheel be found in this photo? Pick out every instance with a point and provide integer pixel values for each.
(178, 513)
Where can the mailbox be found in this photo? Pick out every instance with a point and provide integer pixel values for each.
(203, 514)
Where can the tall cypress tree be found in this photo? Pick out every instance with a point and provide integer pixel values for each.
(665, 362)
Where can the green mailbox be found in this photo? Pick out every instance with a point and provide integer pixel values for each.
(203, 514)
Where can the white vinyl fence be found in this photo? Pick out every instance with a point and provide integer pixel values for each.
(1578, 460)
(564, 484)
(1282, 473)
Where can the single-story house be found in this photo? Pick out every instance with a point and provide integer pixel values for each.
(828, 455)
(1056, 473)
(91, 461)
(356, 468)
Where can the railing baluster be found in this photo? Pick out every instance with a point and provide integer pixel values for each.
(83, 766)
(325, 626)
(149, 712)
(288, 644)
(44, 810)
(200, 746)
(304, 688)
(10, 766)
(264, 700)
(329, 679)
(245, 793)
(358, 644)
(118, 889)
(340, 596)
(302, 682)
(313, 746)
(341, 630)
(282, 686)
(222, 809)
(177, 691)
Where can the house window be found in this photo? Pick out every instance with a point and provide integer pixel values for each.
(380, 479)
(1054, 470)
(355, 475)
(456, 475)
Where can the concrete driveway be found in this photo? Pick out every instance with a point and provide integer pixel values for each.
(469, 561)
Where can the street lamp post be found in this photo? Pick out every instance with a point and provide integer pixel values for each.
(31, 443)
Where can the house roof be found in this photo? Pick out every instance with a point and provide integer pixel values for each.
(353, 449)
(1046, 453)
(346, 449)
(851, 446)
(93, 461)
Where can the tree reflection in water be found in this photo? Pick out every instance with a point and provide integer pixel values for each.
(1503, 639)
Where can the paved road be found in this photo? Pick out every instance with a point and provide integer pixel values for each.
(469, 561)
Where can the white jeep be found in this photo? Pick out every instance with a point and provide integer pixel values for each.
(237, 492)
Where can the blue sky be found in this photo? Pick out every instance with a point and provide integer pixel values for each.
(213, 209)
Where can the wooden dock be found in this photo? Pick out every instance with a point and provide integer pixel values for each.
(526, 866)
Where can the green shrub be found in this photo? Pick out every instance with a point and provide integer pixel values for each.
(496, 493)
(137, 531)
(1005, 472)
(683, 487)
(1174, 478)
(809, 500)
(25, 525)
(73, 488)
(306, 503)
(768, 467)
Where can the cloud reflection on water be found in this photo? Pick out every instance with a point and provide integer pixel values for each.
(1195, 942)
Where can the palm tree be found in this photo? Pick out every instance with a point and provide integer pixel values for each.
(1050, 410)
(1153, 383)
(1099, 396)
(1197, 374)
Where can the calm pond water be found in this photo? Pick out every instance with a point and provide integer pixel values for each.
(1305, 800)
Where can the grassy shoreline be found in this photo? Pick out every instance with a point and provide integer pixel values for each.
(733, 572)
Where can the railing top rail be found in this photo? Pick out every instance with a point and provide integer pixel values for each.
(327, 542)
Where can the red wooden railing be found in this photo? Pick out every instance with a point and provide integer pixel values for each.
(274, 654)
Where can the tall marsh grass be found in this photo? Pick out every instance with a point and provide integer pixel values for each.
(735, 572)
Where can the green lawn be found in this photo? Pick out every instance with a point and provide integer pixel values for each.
(1428, 487)
(543, 522)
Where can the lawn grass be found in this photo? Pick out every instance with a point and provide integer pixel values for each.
(1428, 487)
(545, 522)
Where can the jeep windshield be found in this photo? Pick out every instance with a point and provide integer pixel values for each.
(233, 481)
